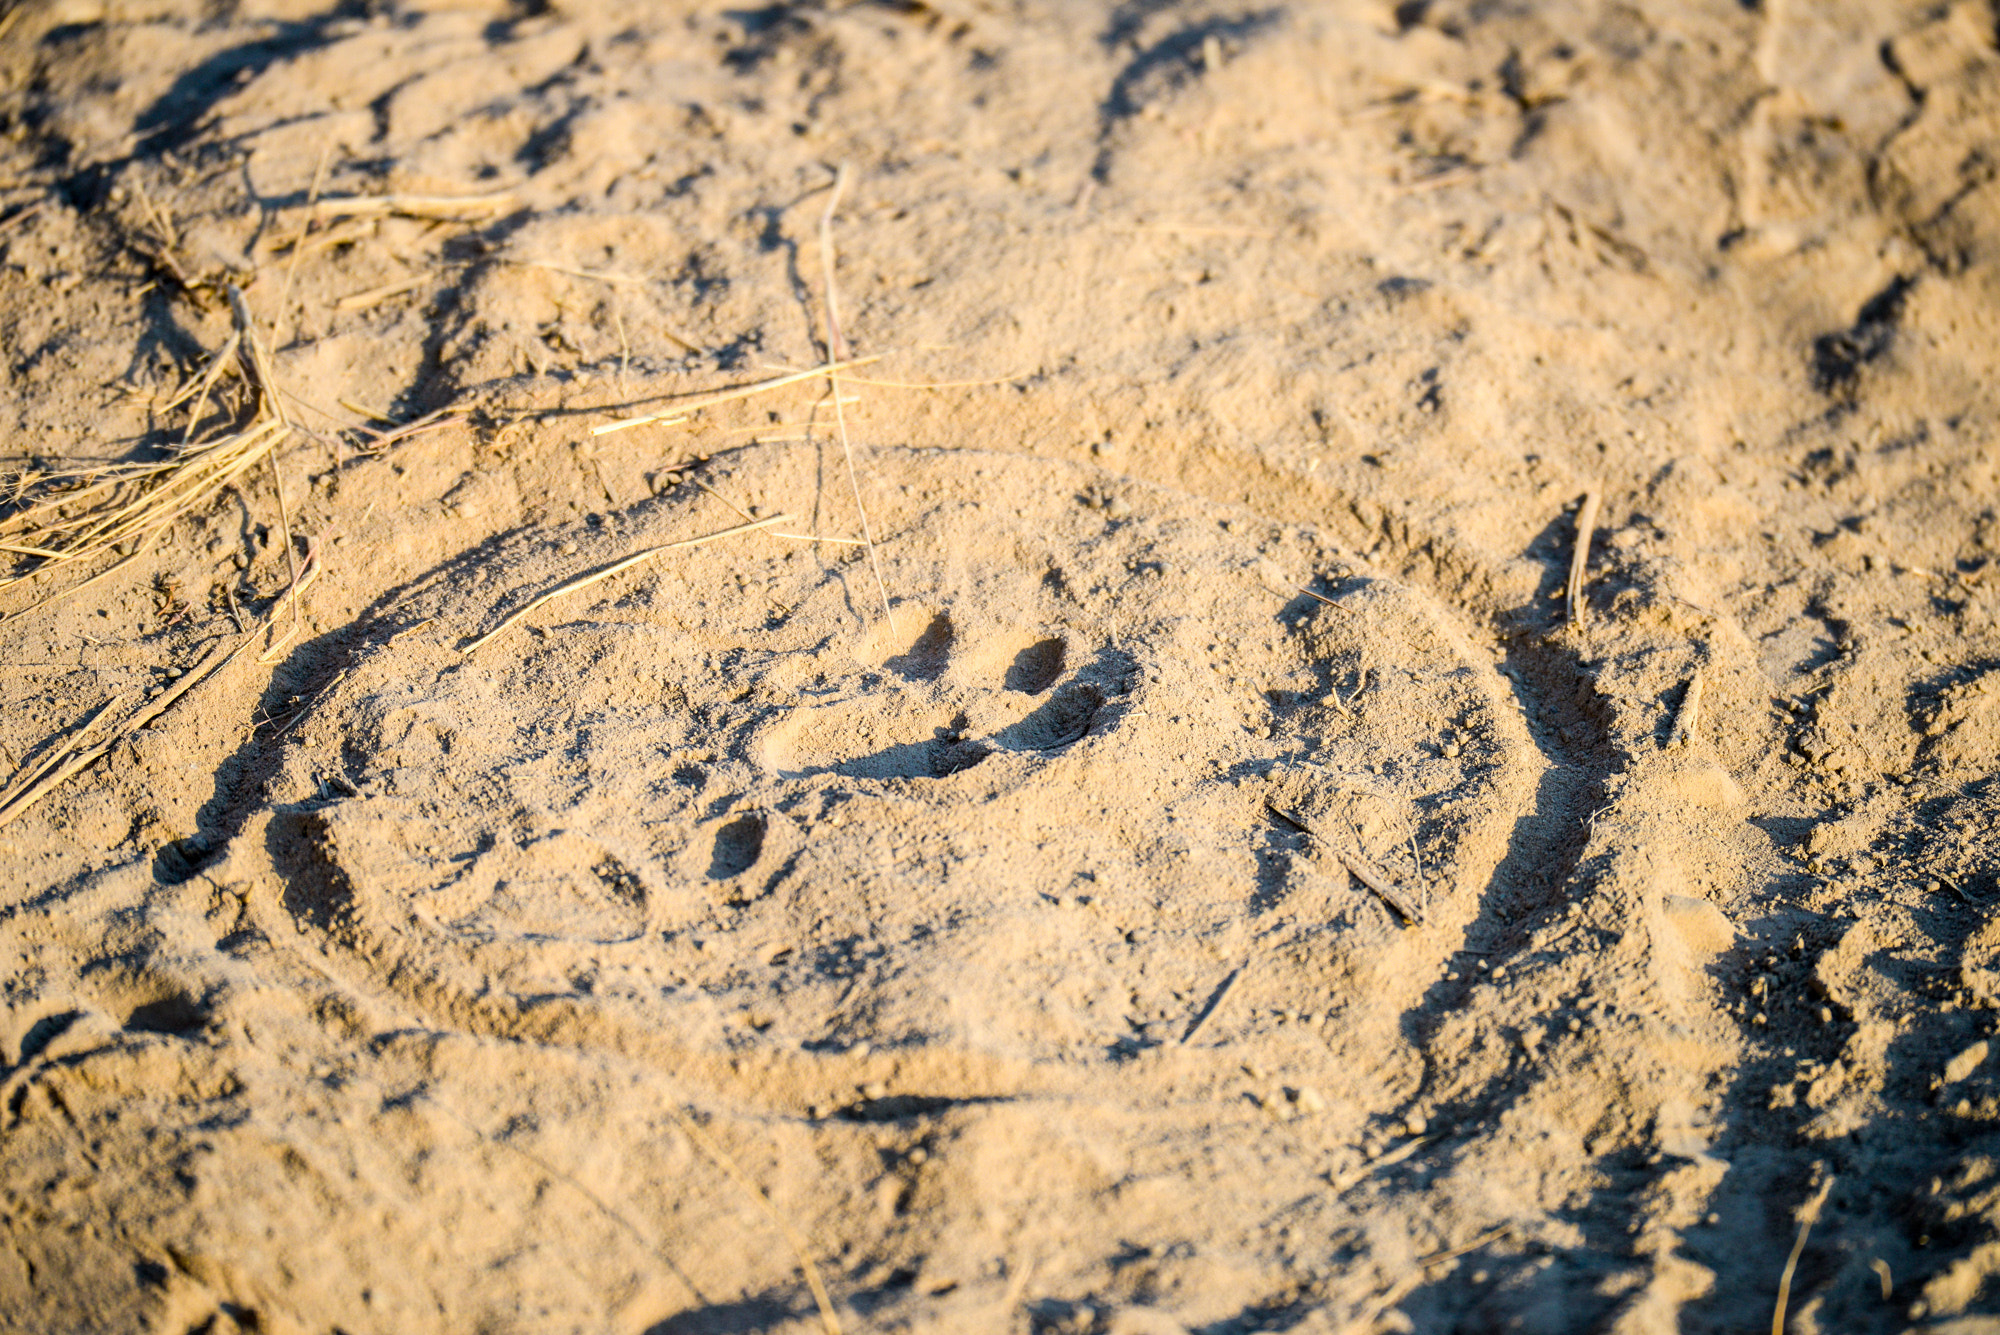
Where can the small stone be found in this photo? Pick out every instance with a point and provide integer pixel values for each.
(1415, 1124)
(1449, 750)
(874, 1089)
(1965, 1063)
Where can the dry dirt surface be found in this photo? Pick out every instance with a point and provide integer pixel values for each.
(1342, 675)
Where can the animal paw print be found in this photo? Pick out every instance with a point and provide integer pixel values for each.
(994, 695)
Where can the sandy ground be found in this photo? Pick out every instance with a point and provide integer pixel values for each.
(1230, 886)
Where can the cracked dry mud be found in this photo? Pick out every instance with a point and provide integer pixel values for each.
(1011, 955)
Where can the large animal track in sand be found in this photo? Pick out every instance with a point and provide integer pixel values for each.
(1007, 947)
(1040, 838)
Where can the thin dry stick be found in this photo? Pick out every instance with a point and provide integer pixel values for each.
(729, 396)
(267, 390)
(432, 208)
(1467, 1247)
(604, 1207)
(375, 296)
(828, 1318)
(1586, 528)
(937, 384)
(1339, 607)
(845, 542)
(1361, 869)
(836, 348)
(200, 387)
(1807, 1215)
(1689, 716)
(299, 243)
(1375, 879)
(591, 577)
(138, 551)
(1388, 1160)
(29, 789)
(1215, 1001)
(76, 742)
(798, 537)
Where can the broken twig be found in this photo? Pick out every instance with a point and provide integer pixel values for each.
(1361, 869)
(591, 577)
(1579, 561)
(1688, 717)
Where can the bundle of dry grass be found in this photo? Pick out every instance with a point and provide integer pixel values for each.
(72, 517)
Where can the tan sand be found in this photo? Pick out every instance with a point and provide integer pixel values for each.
(1430, 762)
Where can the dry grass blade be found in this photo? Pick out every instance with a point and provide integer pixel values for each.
(828, 1318)
(1808, 1214)
(1466, 1248)
(1689, 716)
(81, 752)
(432, 208)
(729, 396)
(1214, 1003)
(836, 348)
(1319, 597)
(1361, 869)
(52, 770)
(139, 499)
(79, 515)
(1387, 890)
(375, 296)
(1579, 561)
(139, 549)
(591, 577)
